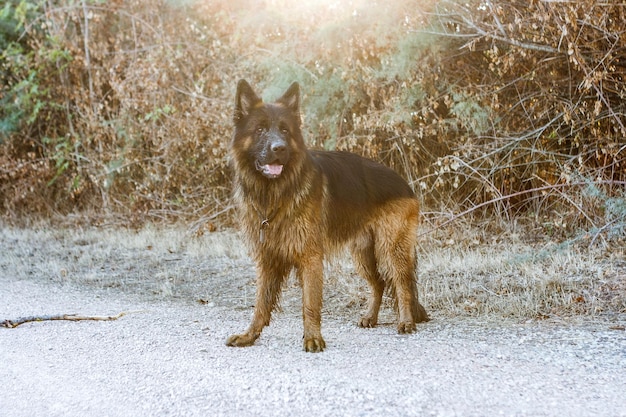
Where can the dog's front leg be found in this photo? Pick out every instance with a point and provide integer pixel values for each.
(311, 274)
(269, 283)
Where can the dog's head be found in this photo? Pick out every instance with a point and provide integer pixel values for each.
(267, 135)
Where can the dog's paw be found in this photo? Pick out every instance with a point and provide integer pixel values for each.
(314, 344)
(367, 322)
(405, 327)
(241, 340)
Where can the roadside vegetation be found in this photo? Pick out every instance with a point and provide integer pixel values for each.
(508, 279)
(508, 119)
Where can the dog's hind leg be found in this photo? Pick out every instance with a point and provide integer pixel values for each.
(395, 242)
(364, 258)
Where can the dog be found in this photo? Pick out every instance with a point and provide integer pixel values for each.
(299, 205)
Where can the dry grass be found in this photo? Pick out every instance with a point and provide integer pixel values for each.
(507, 278)
(518, 280)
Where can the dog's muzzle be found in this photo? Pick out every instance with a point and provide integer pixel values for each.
(273, 158)
(269, 170)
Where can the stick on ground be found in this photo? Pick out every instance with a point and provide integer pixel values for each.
(10, 324)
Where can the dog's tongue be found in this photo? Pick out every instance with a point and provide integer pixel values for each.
(273, 169)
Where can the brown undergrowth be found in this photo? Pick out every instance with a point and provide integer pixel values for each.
(500, 111)
(512, 275)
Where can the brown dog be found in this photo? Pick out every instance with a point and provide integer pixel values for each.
(298, 205)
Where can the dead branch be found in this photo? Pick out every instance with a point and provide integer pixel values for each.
(464, 18)
(10, 324)
(550, 187)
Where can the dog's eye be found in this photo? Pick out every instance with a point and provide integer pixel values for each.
(284, 129)
(261, 129)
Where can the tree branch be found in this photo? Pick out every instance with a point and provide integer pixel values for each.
(10, 324)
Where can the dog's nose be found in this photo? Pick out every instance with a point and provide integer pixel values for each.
(279, 147)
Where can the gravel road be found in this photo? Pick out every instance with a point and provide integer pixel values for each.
(169, 359)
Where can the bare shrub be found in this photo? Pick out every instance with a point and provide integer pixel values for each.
(551, 73)
(502, 107)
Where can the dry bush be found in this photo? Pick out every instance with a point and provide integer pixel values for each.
(123, 108)
(551, 75)
(134, 116)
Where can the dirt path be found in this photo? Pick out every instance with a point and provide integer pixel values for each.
(170, 360)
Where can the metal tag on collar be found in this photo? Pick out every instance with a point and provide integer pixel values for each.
(264, 225)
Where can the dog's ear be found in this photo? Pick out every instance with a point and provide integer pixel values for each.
(245, 100)
(291, 98)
